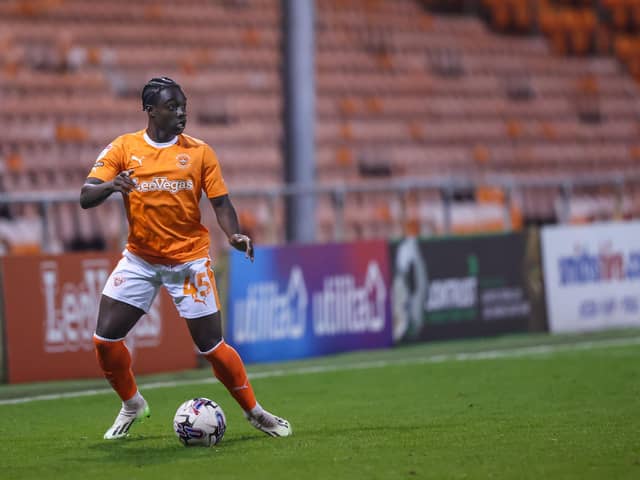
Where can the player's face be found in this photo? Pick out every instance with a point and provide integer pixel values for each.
(171, 111)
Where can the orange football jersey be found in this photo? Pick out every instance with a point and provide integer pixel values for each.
(163, 211)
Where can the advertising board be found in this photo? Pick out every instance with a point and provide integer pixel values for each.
(592, 276)
(300, 301)
(458, 287)
(50, 312)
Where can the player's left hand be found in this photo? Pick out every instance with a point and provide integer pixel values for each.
(243, 243)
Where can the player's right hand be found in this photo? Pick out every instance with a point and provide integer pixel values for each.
(123, 182)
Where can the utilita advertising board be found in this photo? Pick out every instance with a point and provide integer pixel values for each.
(50, 313)
(592, 276)
(458, 287)
(307, 300)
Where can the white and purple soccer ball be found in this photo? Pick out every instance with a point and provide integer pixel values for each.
(199, 422)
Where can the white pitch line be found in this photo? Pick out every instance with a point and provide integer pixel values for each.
(452, 357)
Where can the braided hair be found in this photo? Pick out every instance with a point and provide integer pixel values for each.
(153, 87)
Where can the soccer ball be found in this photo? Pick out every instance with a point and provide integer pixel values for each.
(199, 422)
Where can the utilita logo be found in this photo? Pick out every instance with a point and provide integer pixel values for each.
(343, 307)
(266, 314)
(71, 310)
(607, 265)
(163, 184)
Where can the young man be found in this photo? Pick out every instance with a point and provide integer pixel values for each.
(161, 174)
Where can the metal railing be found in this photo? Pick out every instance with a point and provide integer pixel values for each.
(445, 187)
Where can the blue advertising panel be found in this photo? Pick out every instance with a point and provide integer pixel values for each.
(306, 300)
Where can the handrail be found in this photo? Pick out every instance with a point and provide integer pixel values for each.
(391, 185)
(446, 185)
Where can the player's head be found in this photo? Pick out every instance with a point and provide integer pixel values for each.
(165, 104)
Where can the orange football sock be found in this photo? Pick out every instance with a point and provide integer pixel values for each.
(229, 369)
(115, 360)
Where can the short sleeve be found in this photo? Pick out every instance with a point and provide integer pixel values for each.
(212, 181)
(109, 163)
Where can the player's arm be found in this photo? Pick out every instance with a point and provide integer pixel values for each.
(228, 221)
(95, 191)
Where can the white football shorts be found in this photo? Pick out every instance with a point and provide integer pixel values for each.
(191, 285)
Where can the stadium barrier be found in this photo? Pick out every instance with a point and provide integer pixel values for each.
(299, 301)
(592, 276)
(50, 310)
(565, 199)
(308, 300)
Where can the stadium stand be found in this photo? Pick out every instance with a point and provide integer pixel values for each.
(405, 89)
(71, 73)
(432, 93)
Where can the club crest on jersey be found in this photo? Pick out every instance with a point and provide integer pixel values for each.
(117, 281)
(163, 184)
(182, 160)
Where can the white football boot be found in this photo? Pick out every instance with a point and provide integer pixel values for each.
(269, 423)
(126, 418)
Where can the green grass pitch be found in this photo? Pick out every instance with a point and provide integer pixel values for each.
(568, 411)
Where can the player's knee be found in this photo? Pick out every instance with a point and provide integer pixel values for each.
(109, 331)
(209, 343)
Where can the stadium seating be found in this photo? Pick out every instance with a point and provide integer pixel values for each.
(519, 88)
(472, 101)
(71, 74)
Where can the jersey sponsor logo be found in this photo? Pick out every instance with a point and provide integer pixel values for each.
(98, 164)
(182, 160)
(163, 184)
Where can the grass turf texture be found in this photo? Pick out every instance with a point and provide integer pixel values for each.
(565, 414)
